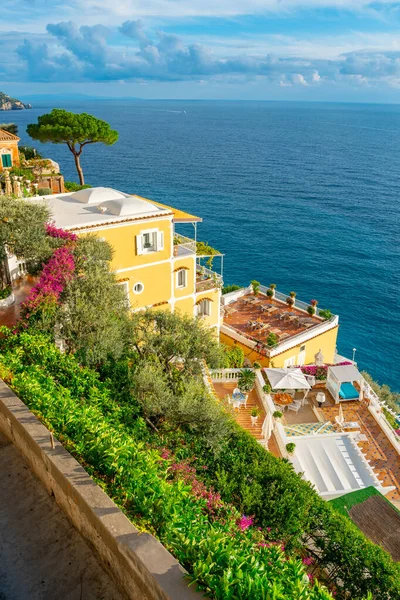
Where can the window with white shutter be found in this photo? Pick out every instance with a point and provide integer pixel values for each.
(149, 241)
(204, 308)
(181, 278)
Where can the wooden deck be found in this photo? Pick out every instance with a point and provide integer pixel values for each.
(242, 415)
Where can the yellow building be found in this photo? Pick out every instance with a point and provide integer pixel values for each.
(274, 333)
(9, 155)
(157, 267)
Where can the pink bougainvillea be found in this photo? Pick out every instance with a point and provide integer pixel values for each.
(57, 232)
(182, 470)
(245, 522)
(56, 273)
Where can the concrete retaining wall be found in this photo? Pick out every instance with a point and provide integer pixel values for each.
(139, 565)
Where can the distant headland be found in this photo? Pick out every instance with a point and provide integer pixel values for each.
(8, 103)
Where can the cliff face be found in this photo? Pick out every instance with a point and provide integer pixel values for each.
(8, 103)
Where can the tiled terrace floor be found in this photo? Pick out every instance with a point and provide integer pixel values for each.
(242, 415)
(21, 288)
(239, 313)
(377, 449)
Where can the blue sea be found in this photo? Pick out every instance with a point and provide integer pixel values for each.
(304, 195)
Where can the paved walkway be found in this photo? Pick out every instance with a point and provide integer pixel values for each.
(42, 556)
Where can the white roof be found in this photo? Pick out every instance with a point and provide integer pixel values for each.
(345, 373)
(287, 379)
(99, 206)
(334, 464)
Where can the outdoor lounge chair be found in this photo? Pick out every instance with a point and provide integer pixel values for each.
(295, 406)
(347, 424)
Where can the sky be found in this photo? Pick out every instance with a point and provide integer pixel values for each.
(314, 50)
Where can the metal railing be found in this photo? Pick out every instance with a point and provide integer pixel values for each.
(210, 280)
(181, 241)
(282, 298)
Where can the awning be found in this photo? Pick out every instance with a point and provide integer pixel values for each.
(345, 373)
(287, 379)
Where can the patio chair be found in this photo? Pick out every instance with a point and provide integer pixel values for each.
(295, 407)
(236, 404)
(228, 398)
(245, 400)
(236, 391)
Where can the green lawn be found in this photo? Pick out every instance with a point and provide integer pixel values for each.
(346, 502)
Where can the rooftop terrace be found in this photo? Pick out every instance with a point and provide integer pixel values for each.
(257, 317)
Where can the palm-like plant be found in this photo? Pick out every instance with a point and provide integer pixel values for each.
(246, 380)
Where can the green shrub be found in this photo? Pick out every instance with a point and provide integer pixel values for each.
(227, 289)
(325, 314)
(277, 414)
(290, 448)
(272, 339)
(71, 186)
(5, 292)
(44, 192)
(234, 357)
(256, 286)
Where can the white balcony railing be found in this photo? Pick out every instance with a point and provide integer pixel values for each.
(183, 245)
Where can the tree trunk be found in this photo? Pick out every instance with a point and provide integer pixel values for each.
(5, 279)
(79, 169)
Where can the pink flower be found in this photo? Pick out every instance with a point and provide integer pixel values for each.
(308, 561)
(56, 232)
(245, 522)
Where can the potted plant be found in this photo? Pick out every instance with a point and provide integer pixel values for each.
(290, 448)
(271, 291)
(255, 413)
(311, 310)
(256, 365)
(290, 300)
(246, 380)
(272, 339)
(267, 388)
(256, 287)
(277, 415)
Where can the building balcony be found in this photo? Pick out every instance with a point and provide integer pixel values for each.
(206, 279)
(183, 246)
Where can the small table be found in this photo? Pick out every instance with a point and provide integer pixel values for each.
(320, 398)
(239, 396)
(283, 399)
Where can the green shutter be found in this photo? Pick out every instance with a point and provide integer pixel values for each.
(6, 160)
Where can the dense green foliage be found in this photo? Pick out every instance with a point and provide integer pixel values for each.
(221, 550)
(75, 130)
(72, 186)
(227, 289)
(23, 232)
(384, 392)
(234, 357)
(28, 152)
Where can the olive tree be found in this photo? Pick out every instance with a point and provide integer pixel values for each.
(75, 130)
(93, 316)
(23, 233)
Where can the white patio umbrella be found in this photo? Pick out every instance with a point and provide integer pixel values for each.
(268, 426)
(287, 379)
